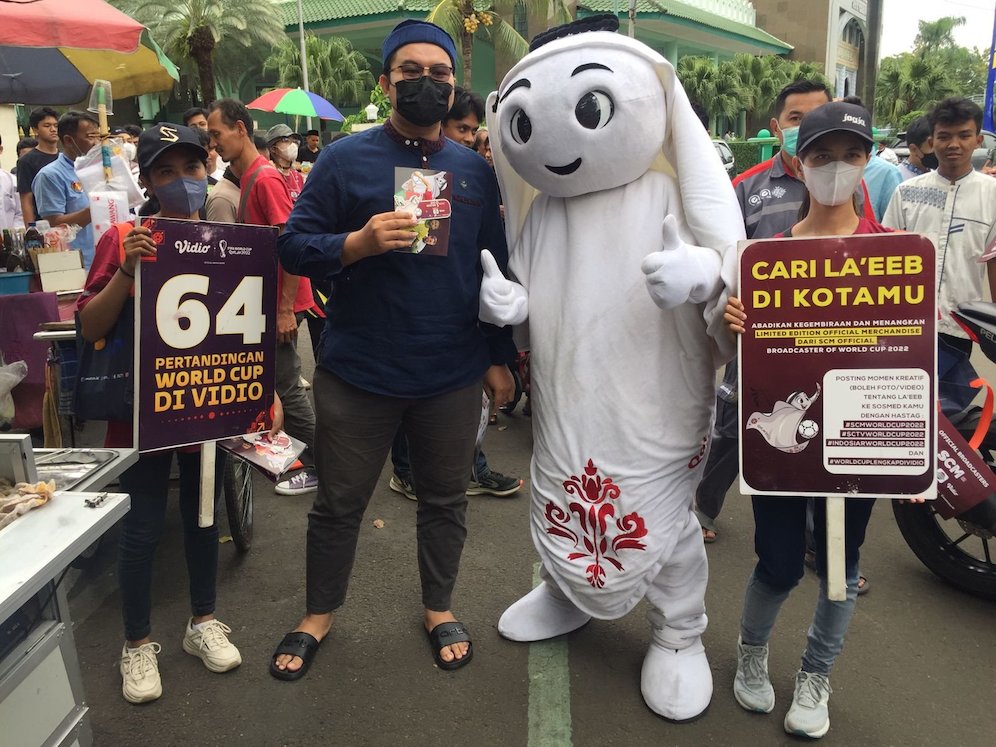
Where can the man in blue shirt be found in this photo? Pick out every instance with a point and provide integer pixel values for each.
(58, 191)
(402, 346)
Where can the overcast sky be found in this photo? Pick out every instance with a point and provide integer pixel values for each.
(900, 17)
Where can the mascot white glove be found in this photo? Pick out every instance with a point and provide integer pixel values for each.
(679, 273)
(503, 302)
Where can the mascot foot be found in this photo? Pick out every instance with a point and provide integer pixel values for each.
(542, 613)
(677, 684)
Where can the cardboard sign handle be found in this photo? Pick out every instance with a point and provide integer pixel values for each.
(986, 419)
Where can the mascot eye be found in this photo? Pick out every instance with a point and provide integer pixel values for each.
(522, 127)
(594, 110)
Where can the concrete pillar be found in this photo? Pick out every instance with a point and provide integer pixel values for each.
(148, 108)
(671, 51)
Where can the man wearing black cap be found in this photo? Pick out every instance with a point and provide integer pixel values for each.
(402, 345)
(311, 147)
(283, 153)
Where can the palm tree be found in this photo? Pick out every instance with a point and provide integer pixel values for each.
(908, 83)
(195, 29)
(336, 71)
(934, 35)
(463, 18)
(716, 93)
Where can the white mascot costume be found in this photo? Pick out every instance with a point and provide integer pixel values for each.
(622, 229)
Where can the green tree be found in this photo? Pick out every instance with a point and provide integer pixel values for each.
(935, 35)
(910, 82)
(462, 19)
(716, 92)
(195, 30)
(937, 67)
(336, 71)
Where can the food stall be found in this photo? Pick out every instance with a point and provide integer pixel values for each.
(41, 692)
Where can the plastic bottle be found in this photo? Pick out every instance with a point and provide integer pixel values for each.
(33, 240)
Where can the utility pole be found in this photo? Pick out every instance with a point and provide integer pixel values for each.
(869, 65)
(304, 54)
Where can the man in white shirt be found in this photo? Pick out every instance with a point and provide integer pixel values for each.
(10, 201)
(955, 207)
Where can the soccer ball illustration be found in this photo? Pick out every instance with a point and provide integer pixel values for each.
(808, 429)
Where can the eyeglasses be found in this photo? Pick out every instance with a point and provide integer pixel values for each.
(412, 71)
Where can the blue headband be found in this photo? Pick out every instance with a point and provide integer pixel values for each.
(413, 32)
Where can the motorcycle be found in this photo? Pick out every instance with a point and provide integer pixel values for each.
(961, 550)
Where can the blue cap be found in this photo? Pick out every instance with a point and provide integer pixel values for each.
(414, 32)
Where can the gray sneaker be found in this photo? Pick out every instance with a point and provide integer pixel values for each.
(494, 483)
(809, 715)
(305, 481)
(404, 486)
(752, 686)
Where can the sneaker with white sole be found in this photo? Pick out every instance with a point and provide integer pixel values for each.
(809, 715)
(494, 483)
(140, 682)
(305, 481)
(752, 686)
(209, 641)
(404, 486)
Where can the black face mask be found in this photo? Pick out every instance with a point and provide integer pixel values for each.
(929, 161)
(423, 102)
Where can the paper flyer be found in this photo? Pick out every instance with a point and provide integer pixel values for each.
(427, 195)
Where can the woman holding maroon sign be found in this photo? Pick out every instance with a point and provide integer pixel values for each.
(835, 142)
(173, 169)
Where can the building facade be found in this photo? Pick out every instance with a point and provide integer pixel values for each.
(842, 35)
(675, 28)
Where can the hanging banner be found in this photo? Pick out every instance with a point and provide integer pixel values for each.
(205, 333)
(837, 367)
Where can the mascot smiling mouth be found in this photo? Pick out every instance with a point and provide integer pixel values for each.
(565, 170)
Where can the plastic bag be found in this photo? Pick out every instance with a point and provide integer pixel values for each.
(10, 376)
(90, 169)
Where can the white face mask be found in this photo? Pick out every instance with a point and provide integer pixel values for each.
(833, 183)
(287, 151)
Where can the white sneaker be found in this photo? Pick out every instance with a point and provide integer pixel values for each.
(140, 680)
(210, 642)
(752, 686)
(809, 715)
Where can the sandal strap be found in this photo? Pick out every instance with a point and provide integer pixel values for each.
(298, 643)
(448, 633)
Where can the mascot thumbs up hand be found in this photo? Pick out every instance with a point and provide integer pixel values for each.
(679, 273)
(503, 302)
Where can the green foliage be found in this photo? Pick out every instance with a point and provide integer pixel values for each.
(463, 19)
(910, 83)
(744, 84)
(208, 37)
(745, 154)
(378, 97)
(336, 71)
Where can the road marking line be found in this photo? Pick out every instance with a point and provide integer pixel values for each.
(549, 690)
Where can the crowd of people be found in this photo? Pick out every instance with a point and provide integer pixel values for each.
(401, 356)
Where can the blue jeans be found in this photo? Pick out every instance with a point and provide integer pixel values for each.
(780, 545)
(403, 466)
(954, 372)
(147, 482)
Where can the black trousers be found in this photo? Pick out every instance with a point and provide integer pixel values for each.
(353, 436)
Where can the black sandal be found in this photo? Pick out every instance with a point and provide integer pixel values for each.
(446, 634)
(298, 643)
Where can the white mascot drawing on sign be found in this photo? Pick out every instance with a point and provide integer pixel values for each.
(622, 228)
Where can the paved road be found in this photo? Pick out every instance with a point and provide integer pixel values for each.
(918, 668)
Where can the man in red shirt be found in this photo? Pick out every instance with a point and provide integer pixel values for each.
(283, 154)
(266, 201)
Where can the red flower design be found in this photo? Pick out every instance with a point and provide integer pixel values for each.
(594, 510)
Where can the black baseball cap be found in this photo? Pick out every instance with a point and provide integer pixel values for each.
(835, 117)
(155, 141)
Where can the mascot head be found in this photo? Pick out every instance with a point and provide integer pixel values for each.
(582, 112)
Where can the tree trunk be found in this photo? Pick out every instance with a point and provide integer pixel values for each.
(201, 43)
(466, 42)
(467, 49)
